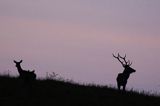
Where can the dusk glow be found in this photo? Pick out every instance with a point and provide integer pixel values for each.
(76, 39)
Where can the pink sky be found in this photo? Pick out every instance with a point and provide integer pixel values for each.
(76, 39)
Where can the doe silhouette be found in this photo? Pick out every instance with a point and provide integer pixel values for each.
(26, 76)
(123, 77)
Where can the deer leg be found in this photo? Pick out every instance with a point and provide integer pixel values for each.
(124, 87)
(119, 87)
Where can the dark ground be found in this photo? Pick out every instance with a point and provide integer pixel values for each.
(13, 92)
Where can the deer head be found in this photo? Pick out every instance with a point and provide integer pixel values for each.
(126, 64)
(18, 63)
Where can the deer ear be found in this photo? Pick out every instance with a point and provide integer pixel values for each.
(21, 61)
(14, 61)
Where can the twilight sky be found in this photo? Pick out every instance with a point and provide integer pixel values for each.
(76, 39)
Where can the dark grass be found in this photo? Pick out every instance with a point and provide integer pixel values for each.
(48, 92)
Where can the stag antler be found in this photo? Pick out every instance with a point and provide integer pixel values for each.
(124, 59)
(118, 57)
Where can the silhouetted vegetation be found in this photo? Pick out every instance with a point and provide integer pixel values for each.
(49, 92)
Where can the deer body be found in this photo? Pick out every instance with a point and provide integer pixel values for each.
(27, 76)
(123, 77)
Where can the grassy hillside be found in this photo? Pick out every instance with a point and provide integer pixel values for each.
(13, 92)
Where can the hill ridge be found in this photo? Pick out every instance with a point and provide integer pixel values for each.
(13, 92)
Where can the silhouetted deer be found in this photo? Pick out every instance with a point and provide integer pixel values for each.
(123, 77)
(27, 76)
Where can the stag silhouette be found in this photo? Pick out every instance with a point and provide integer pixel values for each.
(123, 77)
(27, 76)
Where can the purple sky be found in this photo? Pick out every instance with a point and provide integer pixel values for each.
(76, 39)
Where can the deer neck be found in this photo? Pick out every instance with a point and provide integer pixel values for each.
(126, 74)
(19, 68)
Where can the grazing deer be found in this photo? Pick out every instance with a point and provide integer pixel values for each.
(123, 77)
(27, 76)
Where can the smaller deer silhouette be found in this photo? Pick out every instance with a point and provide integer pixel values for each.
(123, 77)
(27, 76)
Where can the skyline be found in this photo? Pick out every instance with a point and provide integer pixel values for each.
(76, 39)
